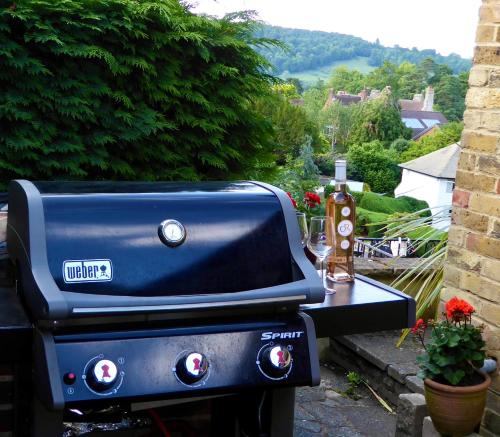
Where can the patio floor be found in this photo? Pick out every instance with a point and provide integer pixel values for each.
(325, 411)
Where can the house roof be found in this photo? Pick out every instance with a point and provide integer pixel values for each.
(342, 97)
(411, 105)
(347, 99)
(441, 164)
(425, 132)
(419, 121)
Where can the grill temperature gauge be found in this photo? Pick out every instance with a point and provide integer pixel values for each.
(172, 232)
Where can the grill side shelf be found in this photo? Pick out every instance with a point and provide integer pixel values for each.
(360, 307)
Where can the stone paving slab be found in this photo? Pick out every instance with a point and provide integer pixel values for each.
(379, 348)
(326, 411)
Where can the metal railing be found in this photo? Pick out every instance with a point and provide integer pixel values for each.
(392, 247)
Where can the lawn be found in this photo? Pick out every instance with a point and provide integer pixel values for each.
(309, 77)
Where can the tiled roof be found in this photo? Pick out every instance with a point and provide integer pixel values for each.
(347, 99)
(441, 164)
(410, 105)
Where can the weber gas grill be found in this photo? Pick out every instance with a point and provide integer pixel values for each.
(145, 291)
(193, 298)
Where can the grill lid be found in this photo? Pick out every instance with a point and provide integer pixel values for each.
(90, 248)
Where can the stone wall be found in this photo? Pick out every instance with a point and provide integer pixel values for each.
(473, 267)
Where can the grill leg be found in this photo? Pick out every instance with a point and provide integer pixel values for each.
(46, 423)
(283, 412)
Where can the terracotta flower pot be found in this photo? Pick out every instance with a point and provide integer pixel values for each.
(456, 411)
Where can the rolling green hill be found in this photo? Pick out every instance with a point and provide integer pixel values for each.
(311, 52)
(310, 77)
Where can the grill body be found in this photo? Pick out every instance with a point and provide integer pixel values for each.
(159, 292)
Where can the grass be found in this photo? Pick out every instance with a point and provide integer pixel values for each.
(310, 77)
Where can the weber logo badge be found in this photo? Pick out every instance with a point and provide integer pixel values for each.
(87, 270)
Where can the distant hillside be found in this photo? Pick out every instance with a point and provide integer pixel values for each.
(310, 50)
(310, 77)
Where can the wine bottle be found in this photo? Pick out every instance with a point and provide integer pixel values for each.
(341, 206)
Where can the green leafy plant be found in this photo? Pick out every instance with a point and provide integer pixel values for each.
(456, 348)
(428, 272)
(354, 380)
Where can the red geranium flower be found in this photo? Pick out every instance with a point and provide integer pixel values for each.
(419, 325)
(458, 309)
(294, 203)
(311, 199)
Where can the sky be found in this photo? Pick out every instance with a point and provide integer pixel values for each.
(444, 25)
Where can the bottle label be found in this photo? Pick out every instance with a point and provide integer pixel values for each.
(344, 228)
(345, 211)
(345, 244)
(338, 259)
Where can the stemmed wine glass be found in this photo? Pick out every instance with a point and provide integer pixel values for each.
(304, 233)
(321, 242)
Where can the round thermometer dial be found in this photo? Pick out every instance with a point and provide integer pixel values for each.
(172, 232)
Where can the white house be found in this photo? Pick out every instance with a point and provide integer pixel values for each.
(431, 178)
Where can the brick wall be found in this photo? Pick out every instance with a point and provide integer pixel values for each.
(473, 267)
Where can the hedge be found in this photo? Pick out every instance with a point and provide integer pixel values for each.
(390, 205)
(128, 89)
(364, 220)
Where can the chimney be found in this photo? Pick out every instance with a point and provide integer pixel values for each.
(418, 97)
(364, 94)
(330, 99)
(429, 99)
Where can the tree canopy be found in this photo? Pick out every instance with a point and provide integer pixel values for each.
(125, 89)
(313, 49)
(374, 164)
(379, 119)
(444, 136)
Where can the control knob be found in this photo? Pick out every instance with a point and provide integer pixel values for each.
(275, 361)
(191, 367)
(102, 375)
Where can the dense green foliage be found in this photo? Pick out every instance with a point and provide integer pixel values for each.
(378, 120)
(390, 205)
(450, 96)
(406, 80)
(128, 89)
(350, 81)
(368, 223)
(344, 120)
(299, 175)
(374, 164)
(444, 136)
(312, 49)
(291, 125)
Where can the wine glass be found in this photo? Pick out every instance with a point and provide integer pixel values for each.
(321, 242)
(304, 233)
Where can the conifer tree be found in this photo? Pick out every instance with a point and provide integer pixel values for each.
(128, 89)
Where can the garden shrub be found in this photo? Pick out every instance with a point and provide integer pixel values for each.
(389, 205)
(364, 220)
(358, 195)
(128, 89)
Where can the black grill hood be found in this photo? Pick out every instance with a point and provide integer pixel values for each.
(86, 249)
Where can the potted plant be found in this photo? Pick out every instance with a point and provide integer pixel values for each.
(455, 390)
